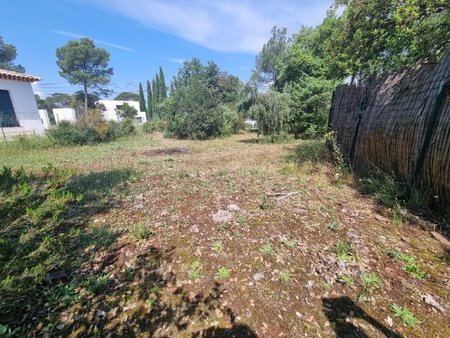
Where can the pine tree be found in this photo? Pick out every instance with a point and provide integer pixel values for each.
(149, 102)
(142, 106)
(162, 85)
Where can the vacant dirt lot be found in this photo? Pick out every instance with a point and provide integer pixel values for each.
(235, 238)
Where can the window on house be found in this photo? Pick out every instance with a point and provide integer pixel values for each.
(7, 114)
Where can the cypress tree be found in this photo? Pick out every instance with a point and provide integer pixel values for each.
(157, 91)
(142, 106)
(154, 98)
(162, 84)
(149, 102)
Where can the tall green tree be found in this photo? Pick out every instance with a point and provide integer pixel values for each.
(8, 54)
(82, 63)
(126, 111)
(271, 58)
(127, 96)
(162, 85)
(142, 105)
(377, 36)
(154, 98)
(149, 101)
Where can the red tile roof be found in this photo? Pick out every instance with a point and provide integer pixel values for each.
(10, 75)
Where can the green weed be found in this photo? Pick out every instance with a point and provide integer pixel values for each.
(405, 315)
(140, 231)
(348, 280)
(265, 204)
(217, 246)
(266, 249)
(285, 276)
(342, 251)
(290, 244)
(194, 270)
(371, 281)
(223, 273)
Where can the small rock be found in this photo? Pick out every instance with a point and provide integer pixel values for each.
(222, 216)
(389, 321)
(194, 229)
(431, 301)
(100, 314)
(56, 276)
(258, 276)
(60, 326)
(233, 207)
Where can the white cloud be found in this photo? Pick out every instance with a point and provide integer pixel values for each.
(78, 36)
(37, 90)
(228, 25)
(176, 60)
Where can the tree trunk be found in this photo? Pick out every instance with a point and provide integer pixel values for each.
(85, 100)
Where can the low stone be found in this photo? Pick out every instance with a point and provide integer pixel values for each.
(194, 229)
(222, 216)
(258, 276)
(233, 207)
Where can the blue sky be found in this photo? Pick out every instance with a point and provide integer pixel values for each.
(141, 35)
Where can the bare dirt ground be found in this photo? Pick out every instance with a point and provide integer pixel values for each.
(235, 238)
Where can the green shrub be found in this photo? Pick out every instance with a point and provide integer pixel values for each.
(90, 129)
(231, 122)
(314, 151)
(66, 134)
(154, 126)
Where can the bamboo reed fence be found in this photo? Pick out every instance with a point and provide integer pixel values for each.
(400, 124)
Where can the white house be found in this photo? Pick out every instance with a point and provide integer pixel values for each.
(43, 113)
(64, 114)
(110, 113)
(19, 112)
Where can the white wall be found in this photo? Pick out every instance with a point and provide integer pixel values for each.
(111, 105)
(24, 104)
(43, 113)
(64, 114)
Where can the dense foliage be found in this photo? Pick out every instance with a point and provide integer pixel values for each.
(369, 38)
(202, 104)
(8, 54)
(90, 128)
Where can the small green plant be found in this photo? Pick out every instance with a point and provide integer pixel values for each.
(334, 226)
(290, 244)
(217, 246)
(5, 331)
(223, 273)
(140, 231)
(144, 161)
(222, 227)
(265, 203)
(414, 271)
(371, 281)
(342, 251)
(348, 280)
(285, 276)
(288, 168)
(410, 265)
(151, 302)
(194, 270)
(96, 285)
(327, 286)
(405, 315)
(266, 249)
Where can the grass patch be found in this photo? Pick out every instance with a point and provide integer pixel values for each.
(194, 270)
(342, 251)
(140, 231)
(266, 249)
(223, 273)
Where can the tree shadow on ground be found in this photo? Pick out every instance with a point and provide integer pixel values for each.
(46, 237)
(143, 299)
(251, 141)
(340, 310)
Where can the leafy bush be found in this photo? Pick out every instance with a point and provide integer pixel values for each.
(154, 126)
(90, 129)
(314, 151)
(231, 121)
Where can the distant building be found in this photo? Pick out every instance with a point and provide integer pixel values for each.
(19, 112)
(43, 113)
(110, 113)
(64, 114)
